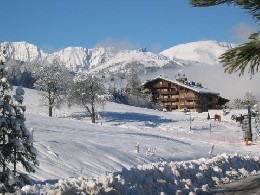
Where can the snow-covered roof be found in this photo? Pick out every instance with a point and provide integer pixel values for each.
(199, 89)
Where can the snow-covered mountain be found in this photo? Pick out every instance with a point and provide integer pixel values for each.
(111, 61)
(203, 52)
(22, 51)
(108, 59)
(73, 57)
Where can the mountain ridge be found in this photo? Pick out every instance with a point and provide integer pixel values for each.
(200, 51)
(108, 59)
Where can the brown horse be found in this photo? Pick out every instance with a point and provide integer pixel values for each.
(217, 117)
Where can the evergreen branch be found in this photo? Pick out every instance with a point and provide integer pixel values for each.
(238, 58)
(252, 6)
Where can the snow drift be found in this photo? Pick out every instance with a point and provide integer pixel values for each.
(162, 177)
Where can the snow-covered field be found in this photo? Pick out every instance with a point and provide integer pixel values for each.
(69, 146)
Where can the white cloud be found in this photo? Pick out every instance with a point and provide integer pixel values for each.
(241, 32)
(230, 86)
(117, 44)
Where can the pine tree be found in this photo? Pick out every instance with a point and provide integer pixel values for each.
(251, 6)
(135, 95)
(16, 141)
(133, 81)
(246, 55)
(133, 84)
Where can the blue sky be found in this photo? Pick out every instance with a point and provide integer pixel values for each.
(154, 24)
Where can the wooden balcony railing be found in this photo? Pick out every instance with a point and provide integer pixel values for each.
(169, 99)
(192, 98)
(169, 92)
(190, 103)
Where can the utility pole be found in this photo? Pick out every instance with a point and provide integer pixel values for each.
(250, 126)
(190, 119)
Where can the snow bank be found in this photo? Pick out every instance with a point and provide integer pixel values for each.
(181, 177)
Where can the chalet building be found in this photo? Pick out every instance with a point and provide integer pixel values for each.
(181, 94)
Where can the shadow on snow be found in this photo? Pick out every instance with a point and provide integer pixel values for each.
(152, 120)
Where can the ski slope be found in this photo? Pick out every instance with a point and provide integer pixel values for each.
(70, 146)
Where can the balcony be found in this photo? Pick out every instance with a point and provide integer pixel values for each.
(190, 103)
(169, 99)
(169, 92)
(192, 98)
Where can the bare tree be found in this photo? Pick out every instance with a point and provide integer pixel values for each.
(236, 104)
(87, 91)
(249, 99)
(257, 117)
(53, 79)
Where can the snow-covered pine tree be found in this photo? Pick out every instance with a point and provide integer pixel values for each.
(16, 141)
(24, 151)
(4, 99)
(133, 80)
(135, 95)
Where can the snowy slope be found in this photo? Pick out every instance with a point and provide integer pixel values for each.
(204, 52)
(70, 146)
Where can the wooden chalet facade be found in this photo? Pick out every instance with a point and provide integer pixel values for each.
(180, 94)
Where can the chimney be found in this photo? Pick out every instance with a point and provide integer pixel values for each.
(181, 78)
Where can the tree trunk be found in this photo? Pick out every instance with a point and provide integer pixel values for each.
(50, 103)
(3, 164)
(50, 111)
(93, 114)
(93, 119)
(15, 159)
